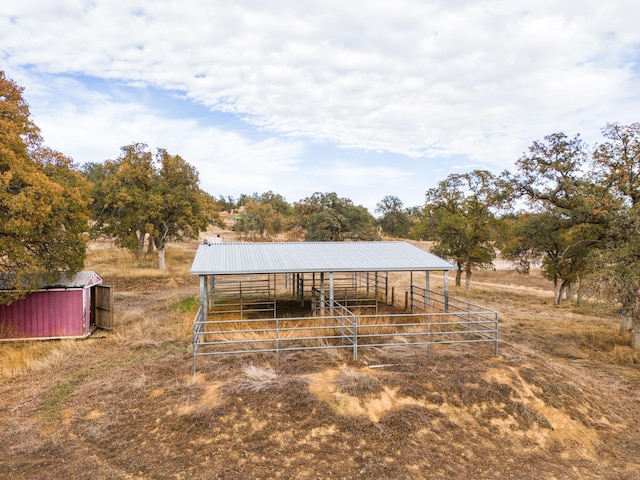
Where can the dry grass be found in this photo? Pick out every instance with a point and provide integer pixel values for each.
(119, 262)
(356, 383)
(258, 380)
(20, 358)
(559, 402)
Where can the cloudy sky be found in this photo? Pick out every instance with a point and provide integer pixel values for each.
(362, 98)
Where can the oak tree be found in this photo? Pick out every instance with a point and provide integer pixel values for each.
(459, 217)
(325, 217)
(395, 221)
(142, 198)
(571, 209)
(43, 203)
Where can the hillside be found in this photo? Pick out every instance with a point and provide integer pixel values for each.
(561, 401)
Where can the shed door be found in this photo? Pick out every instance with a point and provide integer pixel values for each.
(103, 295)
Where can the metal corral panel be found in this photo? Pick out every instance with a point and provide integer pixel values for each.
(307, 257)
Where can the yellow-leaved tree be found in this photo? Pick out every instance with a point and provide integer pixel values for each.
(43, 203)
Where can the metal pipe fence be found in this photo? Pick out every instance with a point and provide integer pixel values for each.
(342, 328)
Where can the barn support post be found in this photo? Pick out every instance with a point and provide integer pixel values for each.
(386, 287)
(411, 289)
(204, 296)
(301, 290)
(321, 294)
(427, 295)
(331, 295)
(313, 294)
(376, 286)
(446, 291)
(275, 295)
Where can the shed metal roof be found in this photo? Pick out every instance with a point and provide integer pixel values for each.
(309, 257)
(79, 280)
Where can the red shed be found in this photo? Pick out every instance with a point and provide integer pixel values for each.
(64, 309)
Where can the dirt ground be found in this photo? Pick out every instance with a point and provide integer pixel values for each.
(560, 401)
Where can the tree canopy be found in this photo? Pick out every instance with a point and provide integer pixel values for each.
(395, 220)
(141, 198)
(325, 217)
(263, 215)
(569, 210)
(43, 202)
(458, 216)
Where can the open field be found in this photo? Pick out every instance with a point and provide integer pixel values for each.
(561, 401)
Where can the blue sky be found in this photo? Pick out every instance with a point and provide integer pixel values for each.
(364, 98)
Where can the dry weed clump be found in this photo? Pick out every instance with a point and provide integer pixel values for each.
(625, 355)
(259, 380)
(402, 422)
(357, 383)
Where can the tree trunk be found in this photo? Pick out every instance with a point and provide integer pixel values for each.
(558, 299)
(467, 281)
(458, 277)
(635, 339)
(626, 323)
(150, 244)
(555, 291)
(141, 235)
(162, 265)
(570, 291)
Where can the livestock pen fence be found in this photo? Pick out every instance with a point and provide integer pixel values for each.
(243, 316)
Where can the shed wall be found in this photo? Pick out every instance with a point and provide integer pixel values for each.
(46, 314)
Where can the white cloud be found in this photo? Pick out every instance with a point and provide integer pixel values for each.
(480, 79)
(94, 130)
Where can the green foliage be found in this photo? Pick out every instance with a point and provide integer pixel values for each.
(572, 210)
(186, 305)
(614, 269)
(458, 216)
(395, 221)
(56, 399)
(227, 204)
(263, 215)
(138, 197)
(618, 160)
(325, 217)
(43, 202)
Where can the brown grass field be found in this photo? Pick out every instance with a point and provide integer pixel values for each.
(561, 401)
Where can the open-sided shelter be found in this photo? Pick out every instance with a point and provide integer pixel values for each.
(240, 280)
(67, 308)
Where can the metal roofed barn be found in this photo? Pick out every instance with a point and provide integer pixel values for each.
(309, 257)
(247, 291)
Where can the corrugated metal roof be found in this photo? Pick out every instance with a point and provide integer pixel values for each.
(79, 280)
(307, 257)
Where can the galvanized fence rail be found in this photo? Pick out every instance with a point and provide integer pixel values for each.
(440, 320)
